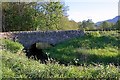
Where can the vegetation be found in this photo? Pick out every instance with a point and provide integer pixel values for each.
(19, 66)
(32, 15)
(27, 16)
(11, 46)
(92, 56)
(87, 25)
(95, 47)
(107, 25)
(117, 25)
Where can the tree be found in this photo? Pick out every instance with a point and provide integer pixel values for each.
(107, 25)
(117, 25)
(32, 16)
(87, 25)
(18, 16)
(53, 12)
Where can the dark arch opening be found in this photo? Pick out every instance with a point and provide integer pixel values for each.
(37, 53)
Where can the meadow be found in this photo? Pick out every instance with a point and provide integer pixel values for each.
(95, 47)
(92, 56)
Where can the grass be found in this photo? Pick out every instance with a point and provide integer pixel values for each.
(17, 65)
(94, 47)
(11, 46)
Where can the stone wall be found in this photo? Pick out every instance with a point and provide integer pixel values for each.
(27, 38)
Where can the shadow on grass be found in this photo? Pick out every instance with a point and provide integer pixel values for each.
(86, 59)
(65, 51)
(95, 59)
(95, 42)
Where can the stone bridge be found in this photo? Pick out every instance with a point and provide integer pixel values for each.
(27, 38)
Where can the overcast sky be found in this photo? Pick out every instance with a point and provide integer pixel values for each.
(97, 10)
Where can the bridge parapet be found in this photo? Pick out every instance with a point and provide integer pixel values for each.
(27, 38)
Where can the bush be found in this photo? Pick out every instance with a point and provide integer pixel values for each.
(18, 66)
(95, 34)
(11, 46)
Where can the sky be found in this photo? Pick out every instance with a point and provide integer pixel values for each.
(97, 10)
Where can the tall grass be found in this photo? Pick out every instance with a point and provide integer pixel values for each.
(11, 46)
(19, 66)
(94, 47)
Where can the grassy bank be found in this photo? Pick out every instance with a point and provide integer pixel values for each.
(96, 52)
(94, 47)
(18, 66)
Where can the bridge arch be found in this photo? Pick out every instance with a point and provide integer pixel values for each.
(27, 38)
(35, 51)
(30, 38)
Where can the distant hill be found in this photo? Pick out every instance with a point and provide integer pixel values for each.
(114, 20)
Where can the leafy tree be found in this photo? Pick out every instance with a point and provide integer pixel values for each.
(73, 24)
(107, 25)
(87, 25)
(64, 23)
(32, 15)
(18, 16)
(117, 25)
(52, 12)
(67, 24)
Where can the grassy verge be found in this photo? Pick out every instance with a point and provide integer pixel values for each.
(94, 47)
(19, 66)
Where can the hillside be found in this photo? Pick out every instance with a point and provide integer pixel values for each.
(114, 20)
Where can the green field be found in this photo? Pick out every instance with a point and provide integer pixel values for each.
(94, 47)
(94, 55)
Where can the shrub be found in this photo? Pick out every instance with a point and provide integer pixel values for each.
(16, 66)
(11, 46)
(95, 34)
